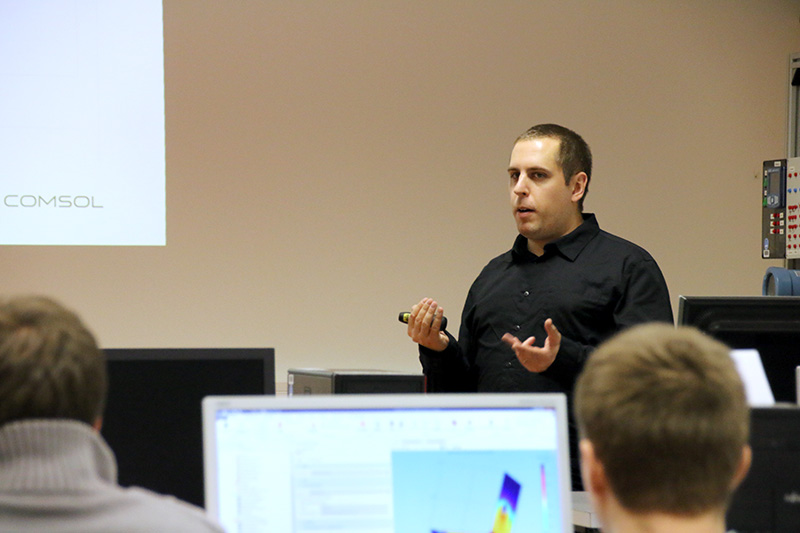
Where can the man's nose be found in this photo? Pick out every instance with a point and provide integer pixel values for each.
(521, 187)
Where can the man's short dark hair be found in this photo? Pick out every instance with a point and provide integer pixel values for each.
(574, 155)
(50, 364)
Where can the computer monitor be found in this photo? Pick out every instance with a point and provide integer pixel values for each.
(436, 463)
(768, 498)
(797, 383)
(153, 420)
(769, 324)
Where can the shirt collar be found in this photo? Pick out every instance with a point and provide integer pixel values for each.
(570, 245)
(53, 454)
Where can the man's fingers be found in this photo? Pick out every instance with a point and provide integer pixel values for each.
(426, 317)
(436, 323)
(553, 335)
(529, 342)
(534, 358)
(516, 344)
(417, 318)
(424, 325)
(430, 313)
(510, 339)
(420, 311)
(551, 327)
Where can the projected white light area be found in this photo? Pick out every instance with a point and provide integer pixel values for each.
(82, 151)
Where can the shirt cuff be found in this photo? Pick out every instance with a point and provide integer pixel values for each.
(568, 363)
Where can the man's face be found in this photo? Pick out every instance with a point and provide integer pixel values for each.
(544, 206)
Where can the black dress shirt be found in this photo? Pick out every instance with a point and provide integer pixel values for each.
(591, 283)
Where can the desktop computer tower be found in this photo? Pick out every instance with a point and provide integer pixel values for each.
(320, 381)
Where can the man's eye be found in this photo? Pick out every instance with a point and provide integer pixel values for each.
(513, 175)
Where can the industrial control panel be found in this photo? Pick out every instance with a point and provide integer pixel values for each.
(780, 219)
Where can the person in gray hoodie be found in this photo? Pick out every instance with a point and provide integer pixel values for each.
(57, 474)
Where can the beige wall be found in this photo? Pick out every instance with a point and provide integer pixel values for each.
(331, 162)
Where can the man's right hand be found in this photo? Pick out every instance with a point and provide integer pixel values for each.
(424, 325)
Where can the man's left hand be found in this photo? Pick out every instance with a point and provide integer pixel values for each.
(532, 357)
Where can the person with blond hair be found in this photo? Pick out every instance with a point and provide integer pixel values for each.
(57, 474)
(664, 425)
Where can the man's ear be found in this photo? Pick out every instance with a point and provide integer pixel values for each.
(592, 471)
(744, 466)
(98, 424)
(579, 182)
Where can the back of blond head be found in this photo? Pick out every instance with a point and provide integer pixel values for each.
(50, 364)
(666, 413)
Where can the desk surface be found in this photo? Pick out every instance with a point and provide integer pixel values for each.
(582, 513)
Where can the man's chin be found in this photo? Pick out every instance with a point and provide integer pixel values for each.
(528, 232)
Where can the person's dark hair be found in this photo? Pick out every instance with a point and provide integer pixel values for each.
(574, 155)
(50, 364)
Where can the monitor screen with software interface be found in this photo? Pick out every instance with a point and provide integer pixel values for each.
(388, 463)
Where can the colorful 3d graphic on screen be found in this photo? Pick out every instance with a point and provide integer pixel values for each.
(506, 507)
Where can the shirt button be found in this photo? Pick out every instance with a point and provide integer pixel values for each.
(517, 327)
(526, 293)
